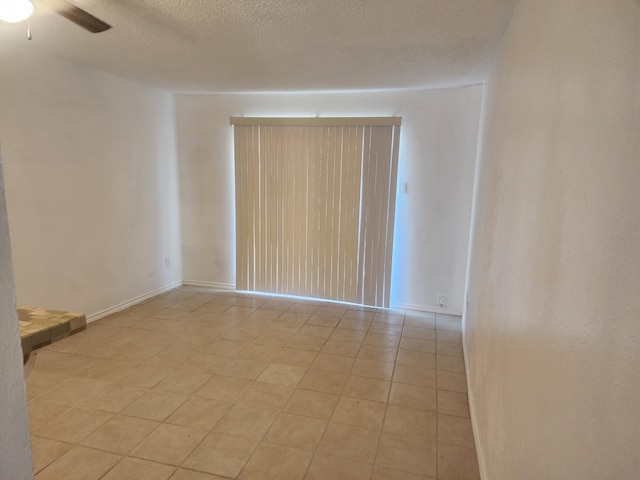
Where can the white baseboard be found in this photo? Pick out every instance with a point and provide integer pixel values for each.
(217, 285)
(130, 303)
(426, 308)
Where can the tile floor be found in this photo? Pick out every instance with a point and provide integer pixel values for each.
(201, 385)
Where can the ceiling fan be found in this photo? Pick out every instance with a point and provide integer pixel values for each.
(17, 10)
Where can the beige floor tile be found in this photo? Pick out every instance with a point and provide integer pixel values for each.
(272, 461)
(242, 368)
(415, 376)
(169, 314)
(44, 451)
(413, 396)
(138, 469)
(120, 434)
(449, 325)
(286, 327)
(138, 354)
(450, 364)
(359, 314)
(261, 353)
(236, 333)
(282, 374)
(246, 422)
(182, 382)
(227, 389)
(386, 329)
(224, 348)
(211, 364)
(455, 431)
(418, 344)
(277, 304)
(355, 444)
(267, 314)
(332, 310)
(411, 422)
(254, 323)
(416, 359)
(88, 393)
(62, 363)
(42, 412)
(381, 340)
(266, 395)
(302, 308)
(419, 332)
(366, 388)
(377, 354)
(372, 369)
(170, 358)
(354, 324)
(80, 463)
(155, 405)
(342, 334)
(454, 382)
(457, 463)
(108, 370)
(325, 467)
(184, 474)
(390, 318)
(312, 404)
(220, 455)
(253, 374)
(192, 342)
(168, 444)
(306, 342)
(332, 363)
(73, 425)
(295, 357)
(407, 454)
(380, 473)
(146, 376)
(453, 403)
(451, 349)
(450, 337)
(336, 347)
(295, 431)
(420, 321)
(39, 382)
(322, 381)
(323, 320)
(198, 412)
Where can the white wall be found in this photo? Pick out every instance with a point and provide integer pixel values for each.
(91, 180)
(15, 446)
(437, 157)
(552, 330)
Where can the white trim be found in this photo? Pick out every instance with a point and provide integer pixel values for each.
(470, 399)
(426, 308)
(218, 285)
(131, 302)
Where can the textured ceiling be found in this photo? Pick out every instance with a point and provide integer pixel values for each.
(275, 45)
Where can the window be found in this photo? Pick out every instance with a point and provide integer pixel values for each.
(315, 205)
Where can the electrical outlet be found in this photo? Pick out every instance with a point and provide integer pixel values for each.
(440, 299)
(166, 262)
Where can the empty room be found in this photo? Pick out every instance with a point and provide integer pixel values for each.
(342, 239)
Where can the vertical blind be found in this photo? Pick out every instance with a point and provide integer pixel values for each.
(315, 205)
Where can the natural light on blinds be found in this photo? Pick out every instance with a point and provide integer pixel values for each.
(315, 205)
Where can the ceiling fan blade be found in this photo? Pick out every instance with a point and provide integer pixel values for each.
(81, 17)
